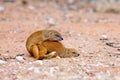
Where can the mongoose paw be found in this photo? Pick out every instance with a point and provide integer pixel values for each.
(52, 53)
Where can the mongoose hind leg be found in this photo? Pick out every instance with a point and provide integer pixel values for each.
(48, 56)
(40, 52)
(35, 51)
(43, 53)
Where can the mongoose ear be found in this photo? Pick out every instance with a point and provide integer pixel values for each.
(51, 33)
(46, 34)
(68, 51)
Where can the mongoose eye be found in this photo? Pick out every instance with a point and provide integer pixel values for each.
(74, 53)
(57, 35)
(69, 52)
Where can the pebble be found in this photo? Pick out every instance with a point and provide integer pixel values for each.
(116, 53)
(85, 20)
(74, 59)
(51, 21)
(8, 0)
(7, 51)
(31, 7)
(40, 62)
(71, 1)
(2, 8)
(83, 63)
(79, 34)
(104, 37)
(30, 68)
(2, 62)
(103, 20)
(67, 16)
(19, 58)
(37, 70)
(71, 33)
(1, 70)
(53, 70)
(118, 49)
(58, 57)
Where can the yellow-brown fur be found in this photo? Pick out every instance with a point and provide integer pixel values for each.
(40, 36)
(45, 44)
(59, 49)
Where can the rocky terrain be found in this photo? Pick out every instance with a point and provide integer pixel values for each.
(94, 33)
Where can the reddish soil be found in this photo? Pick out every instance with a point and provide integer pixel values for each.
(95, 35)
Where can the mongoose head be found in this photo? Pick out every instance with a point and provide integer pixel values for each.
(71, 53)
(52, 35)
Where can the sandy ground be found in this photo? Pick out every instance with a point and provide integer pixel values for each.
(95, 35)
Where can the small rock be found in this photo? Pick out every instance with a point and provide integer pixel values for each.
(30, 68)
(7, 51)
(31, 7)
(2, 8)
(51, 21)
(71, 1)
(83, 63)
(20, 54)
(40, 62)
(91, 10)
(8, 0)
(58, 57)
(37, 70)
(19, 58)
(53, 70)
(85, 20)
(1, 70)
(104, 37)
(24, 2)
(2, 62)
(116, 53)
(67, 16)
(71, 33)
(113, 44)
(103, 20)
(79, 34)
(74, 59)
(118, 49)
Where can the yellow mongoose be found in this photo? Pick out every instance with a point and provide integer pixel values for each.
(45, 44)
(40, 36)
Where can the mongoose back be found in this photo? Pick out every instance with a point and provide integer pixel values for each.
(40, 36)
